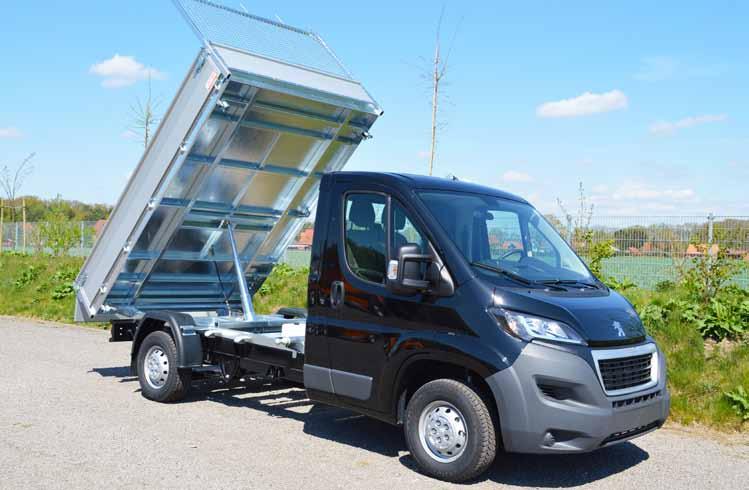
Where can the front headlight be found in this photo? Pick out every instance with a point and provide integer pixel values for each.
(528, 327)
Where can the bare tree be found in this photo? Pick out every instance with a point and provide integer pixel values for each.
(436, 73)
(11, 181)
(145, 116)
(580, 223)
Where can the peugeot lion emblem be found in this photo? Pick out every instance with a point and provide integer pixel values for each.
(618, 328)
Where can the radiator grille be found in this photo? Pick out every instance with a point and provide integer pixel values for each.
(625, 372)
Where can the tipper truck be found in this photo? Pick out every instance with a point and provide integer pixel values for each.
(451, 309)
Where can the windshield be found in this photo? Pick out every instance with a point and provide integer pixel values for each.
(505, 235)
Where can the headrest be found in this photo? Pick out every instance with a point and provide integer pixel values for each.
(362, 214)
(399, 220)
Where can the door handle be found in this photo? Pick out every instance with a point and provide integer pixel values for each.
(337, 292)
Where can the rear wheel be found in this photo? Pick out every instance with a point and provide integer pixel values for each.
(159, 378)
(449, 431)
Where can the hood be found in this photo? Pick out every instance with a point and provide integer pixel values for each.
(600, 317)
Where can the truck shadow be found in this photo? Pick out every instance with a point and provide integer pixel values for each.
(345, 427)
(122, 373)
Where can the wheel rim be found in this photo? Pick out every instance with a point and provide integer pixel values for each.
(156, 367)
(442, 431)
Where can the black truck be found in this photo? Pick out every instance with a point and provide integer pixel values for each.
(452, 309)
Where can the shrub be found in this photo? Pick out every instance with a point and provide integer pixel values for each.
(57, 232)
(708, 273)
(28, 275)
(739, 400)
(665, 286)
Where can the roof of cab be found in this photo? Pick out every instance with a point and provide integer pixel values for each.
(424, 182)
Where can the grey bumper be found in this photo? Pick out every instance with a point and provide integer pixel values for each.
(585, 420)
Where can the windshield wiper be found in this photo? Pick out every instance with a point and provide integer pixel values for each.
(568, 282)
(504, 272)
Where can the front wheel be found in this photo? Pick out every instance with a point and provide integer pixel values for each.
(159, 378)
(449, 431)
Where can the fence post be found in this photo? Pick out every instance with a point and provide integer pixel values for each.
(569, 229)
(23, 211)
(2, 223)
(83, 229)
(710, 222)
(15, 242)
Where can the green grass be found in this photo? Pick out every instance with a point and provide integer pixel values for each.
(38, 286)
(699, 376)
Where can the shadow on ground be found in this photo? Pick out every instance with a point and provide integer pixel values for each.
(345, 427)
(122, 373)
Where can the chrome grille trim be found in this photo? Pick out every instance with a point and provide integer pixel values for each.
(625, 354)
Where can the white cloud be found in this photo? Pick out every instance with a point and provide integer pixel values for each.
(423, 155)
(656, 69)
(10, 133)
(129, 134)
(123, 71)
(584, 105)
(669, 128)
(516, 176)
(635, 197)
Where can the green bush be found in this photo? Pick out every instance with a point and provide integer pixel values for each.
(740, 402)
(27, 276)
(57, 231)
(285, 287)
(698, 377)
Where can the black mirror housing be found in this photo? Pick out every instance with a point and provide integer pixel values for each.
(410, 273)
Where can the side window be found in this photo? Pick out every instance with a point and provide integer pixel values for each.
(505, 236)
(404, 232)
(364, 232)
(541, 248)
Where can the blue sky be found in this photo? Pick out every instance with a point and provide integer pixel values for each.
(644, 102)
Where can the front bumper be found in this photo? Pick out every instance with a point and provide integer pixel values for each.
(583, 418)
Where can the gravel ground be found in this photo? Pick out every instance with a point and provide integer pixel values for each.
(71, 416)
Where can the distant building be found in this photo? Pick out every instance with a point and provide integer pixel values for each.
(697, 250)
(304, 240)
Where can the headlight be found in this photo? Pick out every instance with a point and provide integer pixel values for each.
(528, 327)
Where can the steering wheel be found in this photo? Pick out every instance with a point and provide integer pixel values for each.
(511, 253)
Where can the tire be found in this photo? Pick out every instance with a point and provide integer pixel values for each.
(435, 417)
(159, 378)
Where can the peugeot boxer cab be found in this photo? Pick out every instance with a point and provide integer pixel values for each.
(459, 310)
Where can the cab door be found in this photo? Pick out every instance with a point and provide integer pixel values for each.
(357, 333)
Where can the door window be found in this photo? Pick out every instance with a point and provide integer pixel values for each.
(404, 232)
(364, 230)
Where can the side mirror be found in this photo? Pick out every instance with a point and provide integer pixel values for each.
(409, 274)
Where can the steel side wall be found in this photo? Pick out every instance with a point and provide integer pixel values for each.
(132, 210)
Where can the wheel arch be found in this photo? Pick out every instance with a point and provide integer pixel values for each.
(421, 369)
(181, 327)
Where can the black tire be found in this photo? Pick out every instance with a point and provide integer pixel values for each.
(480, 446)
(175, 383)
